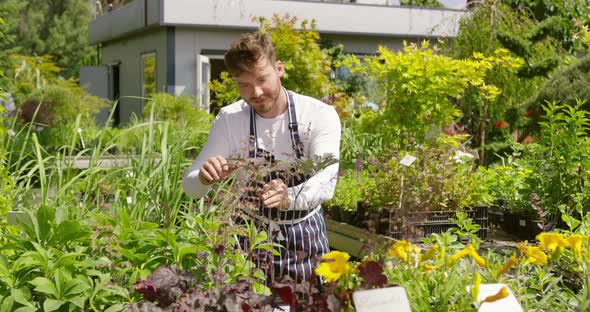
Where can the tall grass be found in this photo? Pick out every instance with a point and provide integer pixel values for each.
(145, 180)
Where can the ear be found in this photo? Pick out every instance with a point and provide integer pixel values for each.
(280, 68)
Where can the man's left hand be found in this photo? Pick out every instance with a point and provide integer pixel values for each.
(274, 195)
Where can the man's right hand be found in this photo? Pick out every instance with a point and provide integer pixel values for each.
(216, 169)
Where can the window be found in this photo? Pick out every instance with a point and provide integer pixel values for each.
(148, 74)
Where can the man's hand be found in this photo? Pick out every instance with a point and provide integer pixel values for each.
(274, 195)
(216, 169)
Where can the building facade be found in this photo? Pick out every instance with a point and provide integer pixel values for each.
(177, 46)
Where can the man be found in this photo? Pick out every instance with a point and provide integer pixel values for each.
(271, 123)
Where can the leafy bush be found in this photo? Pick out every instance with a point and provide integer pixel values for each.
(555, 169)
(415, 89)
(444, 178)
(52, 267)
(351, 189)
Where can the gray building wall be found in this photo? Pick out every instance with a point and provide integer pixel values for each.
(189, 43)
(127, 53)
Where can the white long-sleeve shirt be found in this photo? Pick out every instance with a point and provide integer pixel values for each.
(319, 131)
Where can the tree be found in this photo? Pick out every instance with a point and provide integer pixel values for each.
(55, 27)
(564, 14)
(492, 25)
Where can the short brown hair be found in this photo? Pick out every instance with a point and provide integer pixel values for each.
(246, 51)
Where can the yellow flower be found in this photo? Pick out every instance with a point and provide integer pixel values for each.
(551, 242)
(575, 242)
(476, 286)
(430, 253)
(534, 254)
(503, 293)
(333, 265)
(428, 267)
(469, 250)
(508, 265)
(401, 249)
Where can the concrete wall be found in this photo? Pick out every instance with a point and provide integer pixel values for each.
(341, 18)
(127, 53)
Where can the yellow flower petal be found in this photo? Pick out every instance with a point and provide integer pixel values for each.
(333, 265)
(428, 267)
(402, 249)
(552, 242)
(469, 250)
(430, 253)
(511, 261)
(503, 293)
(463, 252)
(534, 254)
(575, 242)
(478, 259)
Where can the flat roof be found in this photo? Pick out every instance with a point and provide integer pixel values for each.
(330, 18)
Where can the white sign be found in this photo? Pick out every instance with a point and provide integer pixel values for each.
(506, 304)
(381, 300)
(408, 160)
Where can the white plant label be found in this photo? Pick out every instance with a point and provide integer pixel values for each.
(506, 304)
(382, 300)
(407, 161)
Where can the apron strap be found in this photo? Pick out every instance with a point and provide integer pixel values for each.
(253, 145)
(293, 129)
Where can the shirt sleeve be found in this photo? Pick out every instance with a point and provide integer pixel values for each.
(324, 141)
(217, 145)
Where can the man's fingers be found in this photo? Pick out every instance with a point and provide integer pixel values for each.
(274, 195)
(213, 170)
(218, 162)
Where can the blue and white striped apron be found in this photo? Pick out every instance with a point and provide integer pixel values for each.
(301, 233)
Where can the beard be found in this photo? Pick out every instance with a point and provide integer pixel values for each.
(265, 103)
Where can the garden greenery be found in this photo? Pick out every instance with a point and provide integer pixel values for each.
(414, 89)
(107, 227)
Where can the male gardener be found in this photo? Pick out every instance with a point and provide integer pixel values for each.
(271, 123)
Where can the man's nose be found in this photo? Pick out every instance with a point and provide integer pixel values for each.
(257, 91)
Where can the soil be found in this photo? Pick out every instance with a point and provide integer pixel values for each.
(500, 241)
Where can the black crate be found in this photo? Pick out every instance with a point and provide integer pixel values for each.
(422, 224)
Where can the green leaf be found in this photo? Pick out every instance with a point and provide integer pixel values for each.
(78, 301)
(185, 249)
(26, 309)
(22, 296)
(70, 260)
(52, 304)
(45, 285)
(45, 220)
(6, 304)
(116, 308)
(76, 286)
(71, 231)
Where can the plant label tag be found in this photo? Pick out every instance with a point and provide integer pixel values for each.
(506, 304)
(382, 300)
(522, 222)
(407, 161)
